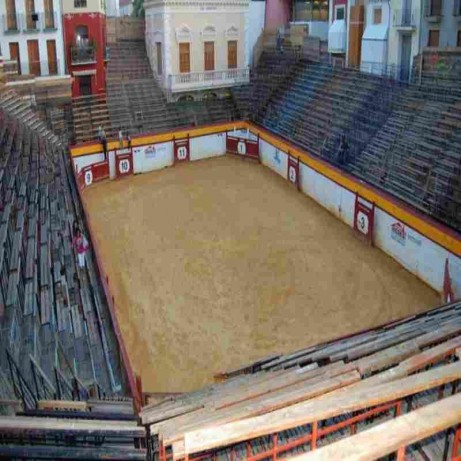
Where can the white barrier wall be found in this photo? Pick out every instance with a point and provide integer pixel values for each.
(417, 253)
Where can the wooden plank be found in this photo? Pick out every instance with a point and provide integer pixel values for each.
(388, 437)
(62, 405)
(319, 409)
(65, 452)
(265, 404)
(25, 424)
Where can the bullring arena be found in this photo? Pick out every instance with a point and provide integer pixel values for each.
(220, 262)
(273, 267)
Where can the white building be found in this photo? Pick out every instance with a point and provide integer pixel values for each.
(31, 33)
(391, 37)
(197, 45)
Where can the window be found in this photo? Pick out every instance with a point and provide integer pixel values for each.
(184, 58)
(49, 15)
(52, 61)
(11, 18)
(232, 54)
(377, 15)
(458, 40)
(209, 55)
(340, 12)
(433, 38)
(158, 45)
(81, 36)
(435, 8)
(31, 16)
(79, 3)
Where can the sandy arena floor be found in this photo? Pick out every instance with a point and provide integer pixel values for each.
(216, 263)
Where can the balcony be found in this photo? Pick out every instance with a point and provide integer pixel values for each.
(405, 20)
(84, 54)
(29, 22)
(208, 79)
(11, 23)
(434, 10)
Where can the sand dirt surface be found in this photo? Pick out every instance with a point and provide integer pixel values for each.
(219, 262)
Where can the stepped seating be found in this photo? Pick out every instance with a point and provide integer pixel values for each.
(90, 113)
(73, 430)
(401, 138)
(356, 382)
(55, 338)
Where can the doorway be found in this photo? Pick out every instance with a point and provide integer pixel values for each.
(84, 85)
(14, 55)
(405, 58)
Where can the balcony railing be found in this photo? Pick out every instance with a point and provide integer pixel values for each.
(37, 68)
(83, 54)
(406, 18)
(25, 22)
(11, 22)
(208, 79)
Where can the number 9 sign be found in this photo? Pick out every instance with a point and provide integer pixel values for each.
(88, 178)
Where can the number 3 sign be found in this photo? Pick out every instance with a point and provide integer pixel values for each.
(364, 215)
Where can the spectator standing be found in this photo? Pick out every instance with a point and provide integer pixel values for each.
(80, 244)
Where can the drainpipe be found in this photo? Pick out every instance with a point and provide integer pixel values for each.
(420, 49)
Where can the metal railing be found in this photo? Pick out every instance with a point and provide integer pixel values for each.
(405, 18)
(21, 388)
(310, 12)
(37, 68)
(30, 21)
(43, 386)
(392, 71)
(208, 79)
(83, 54)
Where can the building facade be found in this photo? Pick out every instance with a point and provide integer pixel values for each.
(85, 45)
(384, 37)
(32, 35)
(199, 45)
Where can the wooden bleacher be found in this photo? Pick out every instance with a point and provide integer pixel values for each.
(314, 397)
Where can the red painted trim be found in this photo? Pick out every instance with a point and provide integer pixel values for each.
(111, 303)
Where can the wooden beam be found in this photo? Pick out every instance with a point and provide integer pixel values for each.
(26, 425)
(61, 405)
(388, 437)
(265, 404)
(63, 452)
(319, 409)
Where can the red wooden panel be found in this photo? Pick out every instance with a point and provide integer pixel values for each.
(100, 170)
(252, 148)
(364, 217)
(181, 150)
(242, 146)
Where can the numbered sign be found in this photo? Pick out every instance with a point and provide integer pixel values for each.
(242, 146)
(181, 150)
(88, 175)
(293, 170)
(123, 164)
(364, 215)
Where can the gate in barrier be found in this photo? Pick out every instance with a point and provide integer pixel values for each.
(293, 170)
(123, 163)
(181, 150)
(93, 173)
(242, 146)
(364, 217)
